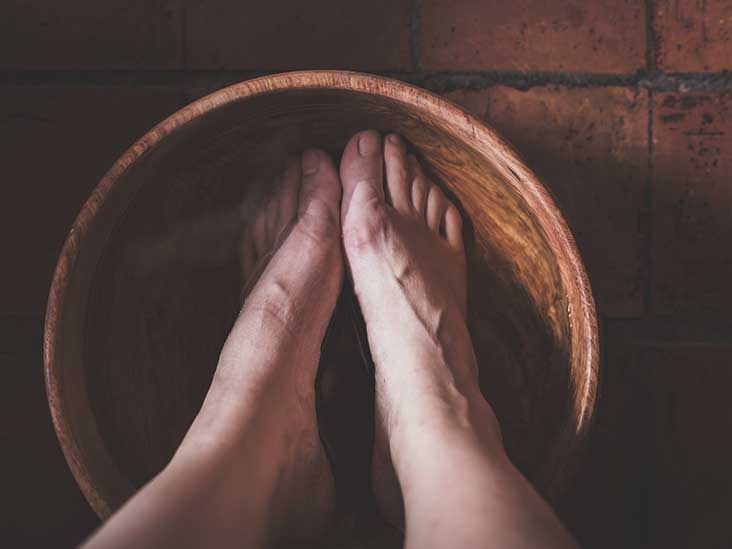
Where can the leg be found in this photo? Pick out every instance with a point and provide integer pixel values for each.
(251, 469)
(404, 250)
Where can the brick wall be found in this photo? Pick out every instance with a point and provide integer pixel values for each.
(623, 108)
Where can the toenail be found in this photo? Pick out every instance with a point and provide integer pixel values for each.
(310, 162)
(368, 143)
(394, 139)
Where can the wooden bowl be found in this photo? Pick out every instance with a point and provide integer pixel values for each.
(141, 301)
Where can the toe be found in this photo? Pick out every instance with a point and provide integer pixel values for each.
(259, 234)
(247, 255)
(272, 221)
(436, 207)
(397, 173)
(453, 224)
(287, 199)
(420, 189)
(362, 171)
(320, 192)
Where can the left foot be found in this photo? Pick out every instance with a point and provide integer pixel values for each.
(263, 392)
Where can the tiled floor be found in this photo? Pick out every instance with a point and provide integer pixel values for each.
(623, 107)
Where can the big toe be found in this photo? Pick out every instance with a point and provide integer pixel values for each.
(361, 170)
(320, 193)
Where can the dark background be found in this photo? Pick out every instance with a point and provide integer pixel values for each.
(622, 107)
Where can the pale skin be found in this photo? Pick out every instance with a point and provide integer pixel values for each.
(251, 471)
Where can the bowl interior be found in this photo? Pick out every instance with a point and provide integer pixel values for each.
(156, 285)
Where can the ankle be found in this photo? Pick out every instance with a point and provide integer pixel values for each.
(453, 422)
(234, 415)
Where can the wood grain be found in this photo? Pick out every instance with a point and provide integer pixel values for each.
(139, 306)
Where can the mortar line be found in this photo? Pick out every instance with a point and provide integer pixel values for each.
(650, 36)
(647, 270)
(415, 28)
(647, 251)
(183, 87)
(670, 332)
(436, 81)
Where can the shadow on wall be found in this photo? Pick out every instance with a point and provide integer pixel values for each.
(656, 473)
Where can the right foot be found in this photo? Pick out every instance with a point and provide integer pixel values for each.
(404, 249)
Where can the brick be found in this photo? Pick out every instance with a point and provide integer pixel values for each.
(607, 36)
(616, 472)
(657, 465)
(693, 36)
(692, 489)
(55, 144)
(277, 35)
(85, 34)
(692, 203)
(589, 147)
(41, 505)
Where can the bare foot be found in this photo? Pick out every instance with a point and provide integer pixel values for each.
(264, 385)
(404, 248)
